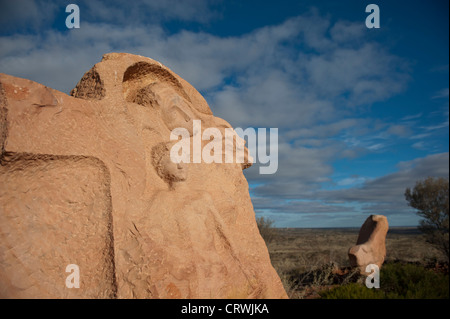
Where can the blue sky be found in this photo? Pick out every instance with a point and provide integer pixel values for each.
(362, 113)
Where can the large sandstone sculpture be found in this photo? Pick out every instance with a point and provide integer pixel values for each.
(86, 180)
(371, 244)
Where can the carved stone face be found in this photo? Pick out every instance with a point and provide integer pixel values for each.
(237, 144)
(169, 171)
(178, 113)
(172, 171)
(155, 88)
(175, 110)
(117, 151)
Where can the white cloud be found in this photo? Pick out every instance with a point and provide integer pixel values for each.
(35, 15)
(412, 117)
(317, 96)
(347, 32)
(419, 145)
(399, 130)
(250, 80)
(366, 74)
(325, 130)
(383, 195)
(436, 127)
(352, 181)
(390, 188)
(441, 94)
(149, 11)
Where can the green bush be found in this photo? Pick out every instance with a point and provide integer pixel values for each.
(352, 291)
(397, 281)
(413, 282)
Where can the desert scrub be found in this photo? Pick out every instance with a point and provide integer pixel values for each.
(397, 281)
(266, 229)
(411, 281)
(352, 291)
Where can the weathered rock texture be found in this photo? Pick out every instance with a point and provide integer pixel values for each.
(86, 180)
(371, 244)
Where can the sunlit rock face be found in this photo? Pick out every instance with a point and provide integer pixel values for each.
(371, 244)
(88, 180)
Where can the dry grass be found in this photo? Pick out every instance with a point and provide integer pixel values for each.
(309, 260)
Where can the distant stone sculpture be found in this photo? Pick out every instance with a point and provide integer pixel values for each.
(86, 179)
(371, 244)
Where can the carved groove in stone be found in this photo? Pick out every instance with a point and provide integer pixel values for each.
(90, 87)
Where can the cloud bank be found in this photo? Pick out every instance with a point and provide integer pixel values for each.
(314, 79)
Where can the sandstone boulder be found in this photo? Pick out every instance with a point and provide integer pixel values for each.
(371, 244)
(86, 179)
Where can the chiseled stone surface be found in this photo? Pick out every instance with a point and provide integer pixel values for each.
(86, 179)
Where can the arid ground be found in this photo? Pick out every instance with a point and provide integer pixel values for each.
(309, 260)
